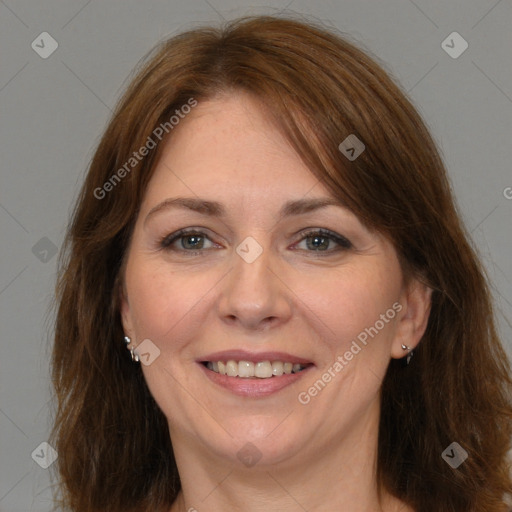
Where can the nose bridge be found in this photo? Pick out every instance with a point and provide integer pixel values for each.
(253, 293)
(252, 270)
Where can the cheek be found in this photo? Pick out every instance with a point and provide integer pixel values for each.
(163, 302)
(157, 301)
(350, 303)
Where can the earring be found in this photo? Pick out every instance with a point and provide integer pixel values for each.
(409, 355)
(135, 357)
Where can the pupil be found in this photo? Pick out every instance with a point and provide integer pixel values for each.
(319, 242)
(192, 242)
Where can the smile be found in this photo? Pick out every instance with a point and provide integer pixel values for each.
(248, 369)
(254, 375)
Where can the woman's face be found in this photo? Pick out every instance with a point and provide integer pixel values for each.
(271, 274)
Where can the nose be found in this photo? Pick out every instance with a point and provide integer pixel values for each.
(254, 296)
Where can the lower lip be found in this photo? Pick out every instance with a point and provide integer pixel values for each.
(254, 387)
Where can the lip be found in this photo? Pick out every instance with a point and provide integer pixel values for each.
(254, 387)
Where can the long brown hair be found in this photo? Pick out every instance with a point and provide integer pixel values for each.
(113, 442)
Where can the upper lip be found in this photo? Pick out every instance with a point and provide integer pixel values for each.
(254, 357)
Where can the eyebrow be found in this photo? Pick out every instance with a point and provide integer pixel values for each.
(216, 209)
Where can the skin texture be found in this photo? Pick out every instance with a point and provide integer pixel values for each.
(310, 303)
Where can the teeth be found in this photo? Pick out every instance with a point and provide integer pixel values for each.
(245, 369)
(248, 369)
(277, 368)
(263, 370)
(231, 369)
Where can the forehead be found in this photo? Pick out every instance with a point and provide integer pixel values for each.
(228, 146)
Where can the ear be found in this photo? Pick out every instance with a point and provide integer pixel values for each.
(125, 311)
(413, 317)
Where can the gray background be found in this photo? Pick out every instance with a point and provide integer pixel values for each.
(54, 110)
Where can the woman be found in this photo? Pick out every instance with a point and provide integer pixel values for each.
(268, 228)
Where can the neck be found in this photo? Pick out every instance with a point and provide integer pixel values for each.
(328, 479)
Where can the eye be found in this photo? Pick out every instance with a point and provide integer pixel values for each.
(323, 240)
(186, 240)
(193, 242)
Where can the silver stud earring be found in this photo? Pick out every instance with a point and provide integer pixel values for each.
(409, 355)
(135, 357)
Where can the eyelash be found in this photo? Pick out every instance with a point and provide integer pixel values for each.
(343, 243)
